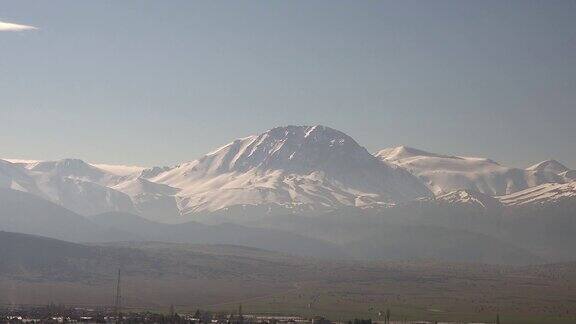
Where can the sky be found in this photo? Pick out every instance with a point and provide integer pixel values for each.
(163, 82)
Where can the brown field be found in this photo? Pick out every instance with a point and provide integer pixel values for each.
(219, 278)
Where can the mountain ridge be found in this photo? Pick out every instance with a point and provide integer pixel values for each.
(296, 168)
(293, 165)
(447, 173)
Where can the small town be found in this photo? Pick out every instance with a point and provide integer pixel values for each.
(61, 314)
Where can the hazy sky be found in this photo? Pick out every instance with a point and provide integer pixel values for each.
(160, 82)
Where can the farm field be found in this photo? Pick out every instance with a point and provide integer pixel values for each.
(221, 277)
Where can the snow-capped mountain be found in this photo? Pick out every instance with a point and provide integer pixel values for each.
(471, 199)
(12, 176)
(556, 167)
(292, 168)
(401, 198)
(548, 193)
(119, 170)
(153, 201)
(549, 166)
(313, 167)
(72, 168)
(83, 197)
(446, 173)
(71, 183)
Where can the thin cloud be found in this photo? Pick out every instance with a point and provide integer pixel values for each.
(5, 26)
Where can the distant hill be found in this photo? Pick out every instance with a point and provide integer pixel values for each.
(27, 213)
(29, 257)
(22, 254)
(398, 234)
(227, 233)
(444, 229)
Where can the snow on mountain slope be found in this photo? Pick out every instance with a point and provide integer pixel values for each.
(12, 176)
(302, 168)
(71, 183)
(405, 152)
(134, 187)
(72, 168)
(120, 170)
(554, 167)
(115, 169)
(84, 197)
(547, 193)
(569, 175)
(473, 199)
(152, 172)
(550, 166)
(21, 161)
(444, 173)
(316, 166)
(153, 201)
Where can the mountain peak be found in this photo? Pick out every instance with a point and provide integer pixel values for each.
(549, 165)
(289, 148)
(306, 130)
(317, 134)
(403, 152)
(67, 166)
(68, 163)
(470, 198)
(71, 168)
(290, 166)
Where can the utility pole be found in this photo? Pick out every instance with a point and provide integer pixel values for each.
(118, 301)
(240, 317)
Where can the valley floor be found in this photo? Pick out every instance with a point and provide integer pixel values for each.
(339, 291)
